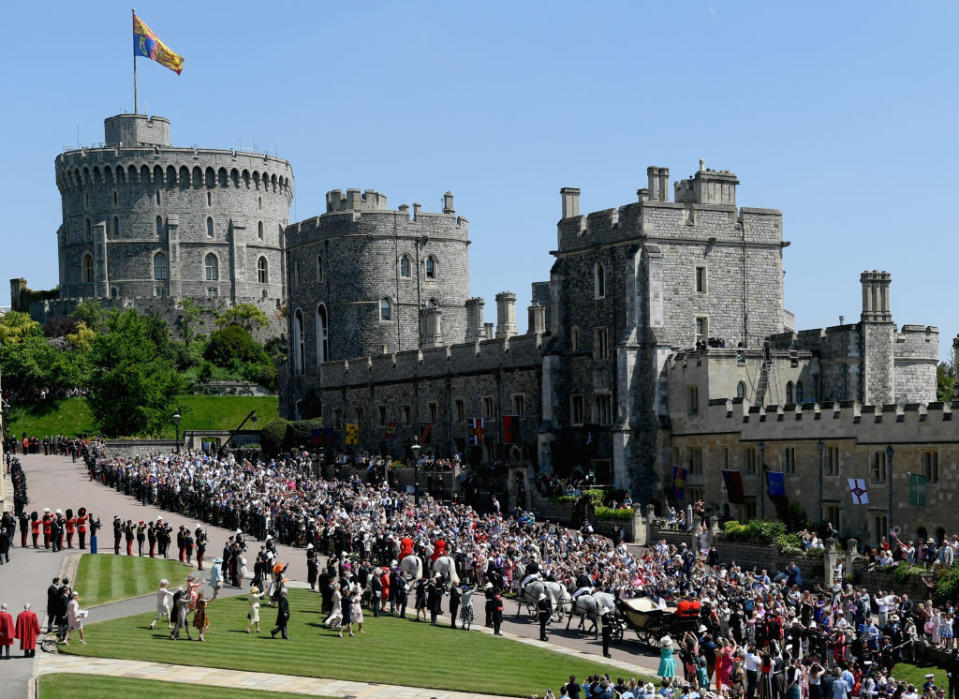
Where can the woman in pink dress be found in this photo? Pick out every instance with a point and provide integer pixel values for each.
(724, 664)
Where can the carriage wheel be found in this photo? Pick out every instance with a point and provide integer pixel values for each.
(616, 631)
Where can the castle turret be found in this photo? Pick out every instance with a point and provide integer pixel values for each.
(878, 340)
(431, 327)
(707, 187)
(16, 287)
(474, 319)
(136, 130)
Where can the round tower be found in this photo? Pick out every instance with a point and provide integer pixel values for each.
(146, 224)
(361, 273)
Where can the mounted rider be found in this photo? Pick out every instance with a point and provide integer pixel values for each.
(584, 585)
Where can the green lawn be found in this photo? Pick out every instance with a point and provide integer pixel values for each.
(71, 416)
(69, 684)
(107, 578)
(393, 651)
(916, 674)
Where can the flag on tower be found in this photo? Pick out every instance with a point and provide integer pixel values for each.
(679, 483)
(475, 431)
(777, 484)
(857, 488)
(146, 43)
(352, 433)
(733, 480)
(391, 430)
(510, 429)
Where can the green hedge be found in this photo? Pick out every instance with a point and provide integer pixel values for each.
(272, 435)
(756, 531)
(610, 513)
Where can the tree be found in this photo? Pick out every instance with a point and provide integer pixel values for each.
(234, 344)
(244, 315)
(133, 388)
(91, 314)
(191, 313)
(15, 326)
(35, 364)
(945, 381)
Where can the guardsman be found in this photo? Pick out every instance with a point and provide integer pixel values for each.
(47, 517)
(82, 527)
(117, 534)
(35, 525)
(71, 524)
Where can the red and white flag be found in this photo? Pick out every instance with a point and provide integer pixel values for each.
(857, 488)
(475, 425)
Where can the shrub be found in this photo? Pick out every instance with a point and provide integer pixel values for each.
(563, 499)
(300, 433)
(234, 344)
(755, 531)
(947, 588)
(611, 513)
(903, 571)
(272, 435)
(595, 495)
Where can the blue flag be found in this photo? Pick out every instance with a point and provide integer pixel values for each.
(777, 484)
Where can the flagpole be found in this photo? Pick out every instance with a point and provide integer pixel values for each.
(134, 13)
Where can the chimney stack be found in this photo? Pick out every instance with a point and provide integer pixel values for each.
(505, 314)
(474, 319)
(875, 296)
(570, 197)
(448, 204)
(488, 329)
(658, 178)
(431, 327)
(537, 319)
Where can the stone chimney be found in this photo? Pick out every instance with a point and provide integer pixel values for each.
(488, 329)
(474, 319)
(505, 314)
(431, 327)
(537, 319)
(955, 365)
(448, 204)
(658, 178)
(875, 296)
(570, 196)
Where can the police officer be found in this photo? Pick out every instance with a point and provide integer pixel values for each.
(545, 611)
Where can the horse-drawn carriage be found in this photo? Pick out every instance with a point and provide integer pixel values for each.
(650, 621)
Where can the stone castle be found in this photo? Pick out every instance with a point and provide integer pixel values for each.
(660, 339)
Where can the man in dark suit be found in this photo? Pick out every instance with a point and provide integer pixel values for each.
(607, 632)
(52, 593)
(282, 615)
(544, 611)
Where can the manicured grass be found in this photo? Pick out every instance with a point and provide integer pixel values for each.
(393, 651)
(71, 416)
(107, 578)
(70, 684)
(916, 674)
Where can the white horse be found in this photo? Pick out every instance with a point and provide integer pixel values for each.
(590, 606)
(446, 567)
(558, 595)
(412, 567)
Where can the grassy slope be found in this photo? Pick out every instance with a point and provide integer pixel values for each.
(107, 578)
(71, 416)
(914, 674)
(394, 651)
(68, 684)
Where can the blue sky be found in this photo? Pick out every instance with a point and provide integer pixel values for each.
(842, 115)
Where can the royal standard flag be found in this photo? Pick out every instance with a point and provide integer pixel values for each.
(352, 434)
(146, 43)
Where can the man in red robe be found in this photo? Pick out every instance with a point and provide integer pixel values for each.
(439, 549)
(6, 631)
(406, 547)
(27, 630)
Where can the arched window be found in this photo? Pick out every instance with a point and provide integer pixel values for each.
(259, 230)
(386, 309)
(88, 267)
(159, 223)
(322, 335)
(161, 267)
(262, 271)
(599, 280)
(431, 267)
(212, 267)
(298, 342)
(114, 292)
(789, 392)
(741, 390)
(799, 392)
(405, 266)
(116, 227)
(319, 268)
(209, 226)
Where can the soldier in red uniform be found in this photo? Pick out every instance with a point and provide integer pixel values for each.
(82, 526)
(35, 525)
(71, 527)
(46, 527)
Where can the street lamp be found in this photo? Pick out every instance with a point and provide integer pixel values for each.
(762, 480)
(822, 447)
(176, 423)
(889, 454)
(416, 470)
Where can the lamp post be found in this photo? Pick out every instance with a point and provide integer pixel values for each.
(416, 470)
(762, 480)
(889, 454)
(822, 447)
(176, 424)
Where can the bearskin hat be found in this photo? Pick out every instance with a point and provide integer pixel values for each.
(69, 513)
(82, 511)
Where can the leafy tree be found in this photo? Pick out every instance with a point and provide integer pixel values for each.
(91, 314)
(133, 388)
(59, 326)
(945, 381)
(15, 326)
(82, 338)
(233, 344)
(36, 363)
(158, 330)
(244, 315)
(190, 315)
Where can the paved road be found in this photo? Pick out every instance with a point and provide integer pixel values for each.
(54, 481)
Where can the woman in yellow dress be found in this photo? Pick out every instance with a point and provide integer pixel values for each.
(201, 620)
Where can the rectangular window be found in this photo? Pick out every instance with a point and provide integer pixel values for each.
(576, 410)
(726, 457)
(337, 418)
(601, 343)
(431, 408)
(488, 410)
(359, 415)
(160, 291)
(604, 408)
(877, 466)
(880, 526)
(789, 460)
(831, 511)
(929, 461)
(381, 415)
(693, 394)
(701, 280)
(319, 269)
(749, 461)
(407, 415)
(750, 508)
(460, 407)
(212, 292)
(702, 329)
(830, 464)
(694, 461)
(574, 339)
(519, 405)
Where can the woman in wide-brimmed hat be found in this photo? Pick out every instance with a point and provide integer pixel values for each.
(667, 663)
